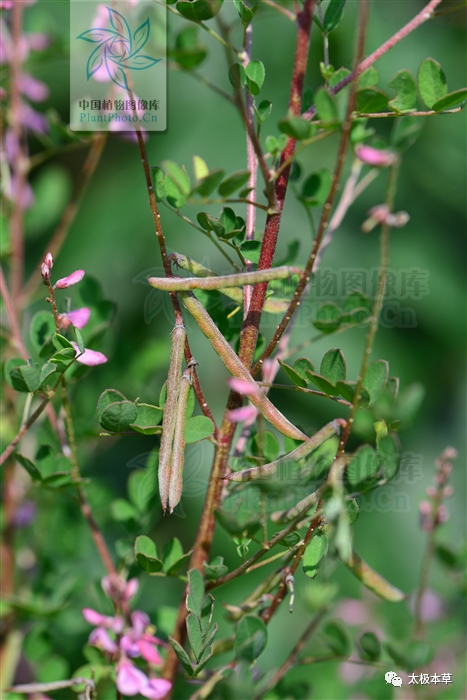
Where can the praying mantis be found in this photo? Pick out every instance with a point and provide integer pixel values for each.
(178, 383)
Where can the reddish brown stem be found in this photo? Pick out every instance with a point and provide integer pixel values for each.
(250, 329)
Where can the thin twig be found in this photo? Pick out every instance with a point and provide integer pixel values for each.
(22, 431)
(426, 14)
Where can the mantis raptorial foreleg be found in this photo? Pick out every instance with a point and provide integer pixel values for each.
(170, 412)
(183, 284)
(237, 368)
(311, 444)
(271, 305)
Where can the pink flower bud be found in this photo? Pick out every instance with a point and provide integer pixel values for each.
(69, 281)
(45, 273)
(36, 41)
(91, 358)
(49, 261)
(242, 387)
(449, 453)
(431, 491)
(244, 414)
(442, 515)
(426, 519)
(448, 492)
(35, 90)
(131, 589)
(374, 156)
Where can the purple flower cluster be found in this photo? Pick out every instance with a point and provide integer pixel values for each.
(129, 639)
(31, 89)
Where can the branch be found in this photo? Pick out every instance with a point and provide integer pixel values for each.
(422, 17)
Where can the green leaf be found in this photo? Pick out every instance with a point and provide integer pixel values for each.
(195, 597)
(357, 307)
(233, 182)
(370, 100)
(263, 110)
(30, 467)
(405, 86)
(173, 556)
(245, 12)
(209, 183)
(388, 456)
(207, 611)
(61, 343)
(363, 466)
(237, 515)
(368, 78)
(25, 378)
(237, 75)
(41, 329)
(251, 638)
(322, 384)
(174, 195)
(452, 99)
(147, 419)
(79, 339)
(347, 391)
(47, 370)
(411, 656)
(118, 416)
(408, 403)
(432, 83)
(188, 51)
(12, 364)
(255, 74)
(326, 107)
(372, 580)
(369, 647)
(251, 250)
(328, 317)
(123, 511)
(302, 365)
(314, 553)
(337, 638)
(316, 188)
(146, 555)
(179, 176)
(290, 540)
(333, 366)
(182, 655)
(199, 10)
(200, 167)
(297, 379)
(295, 127)
(215, 569)
(106, 398)
(375, 378)
(194, 634)
(198, 428)
(333, 15)
(204, 658)
(158, 182)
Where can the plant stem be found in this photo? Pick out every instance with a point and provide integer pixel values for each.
(291, 660)
(376, 311)
(250, 328)
(422, 17)
(327, 206)
(23, 430)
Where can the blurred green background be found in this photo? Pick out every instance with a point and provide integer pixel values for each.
(112, 238)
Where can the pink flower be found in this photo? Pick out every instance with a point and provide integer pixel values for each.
(156, 688)
(149, 652)
(116, 588)
(242, 387)
(130, 679)
(91, 358)
(36, 41)
(243, 414)
(24, 198)
(101, 639)
(35, 90)
(77, 318)
(69, 281)
(33, 120)
(49, 261)
(116, 624)
(374, 156)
